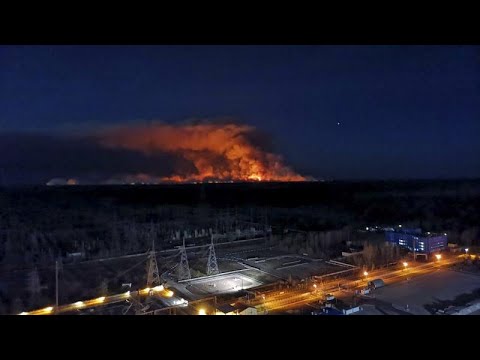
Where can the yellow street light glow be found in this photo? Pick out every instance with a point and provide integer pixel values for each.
(48, 309)
(146, 290)
(438, 256)
(79, 304)
(365, 273)
(23, 313)
(101, 299)
(127, 294)
(405, 264)
(202, 312)
(315, 286)
(466, 250)
(169, 293)
(158, 288)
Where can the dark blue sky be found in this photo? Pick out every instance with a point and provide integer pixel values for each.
(404, 111)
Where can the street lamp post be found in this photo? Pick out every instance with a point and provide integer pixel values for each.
(366, 274)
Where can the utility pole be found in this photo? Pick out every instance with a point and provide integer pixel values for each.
(414, 256)
(56, 285)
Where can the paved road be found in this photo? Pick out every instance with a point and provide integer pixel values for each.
(106, 300)
(296, 298)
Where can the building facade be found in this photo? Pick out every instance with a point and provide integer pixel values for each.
(416, 240)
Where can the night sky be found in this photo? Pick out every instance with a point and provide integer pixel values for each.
(333, 112)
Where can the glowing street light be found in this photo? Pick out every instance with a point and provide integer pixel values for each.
(101, 299)
(438, 256)
(23, 313)
(202, 312)
(158, 288)
(48, 309)
(365, 273)
(405, 264)
(79, 304)
(145, 291)
(315, 286)
(466, 251)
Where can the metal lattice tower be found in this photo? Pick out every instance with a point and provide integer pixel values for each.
(184, 269)
(153, 276)
(139, 308)
(212, 266)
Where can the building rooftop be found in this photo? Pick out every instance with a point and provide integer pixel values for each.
(417, 232)
(240, 307)
(226, 308)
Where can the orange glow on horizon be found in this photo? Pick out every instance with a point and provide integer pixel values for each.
(212, 152)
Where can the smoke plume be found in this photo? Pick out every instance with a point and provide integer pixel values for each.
(194, 152)
(218, 151)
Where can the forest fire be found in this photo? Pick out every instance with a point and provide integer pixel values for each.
(214, 151)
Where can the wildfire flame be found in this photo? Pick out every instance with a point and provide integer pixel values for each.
(220, 152)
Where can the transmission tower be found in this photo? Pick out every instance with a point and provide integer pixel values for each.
(139, 308)
(212, 266)
(184, 269)
(153, 276)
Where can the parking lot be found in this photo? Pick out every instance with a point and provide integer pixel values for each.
(411, 296)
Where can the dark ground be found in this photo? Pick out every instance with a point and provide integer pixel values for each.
(38, 224)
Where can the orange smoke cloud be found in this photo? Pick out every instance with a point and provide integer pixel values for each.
(223, 152)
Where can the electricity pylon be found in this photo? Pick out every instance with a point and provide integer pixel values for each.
(212, 265)
(184, 269)
(153, 276)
